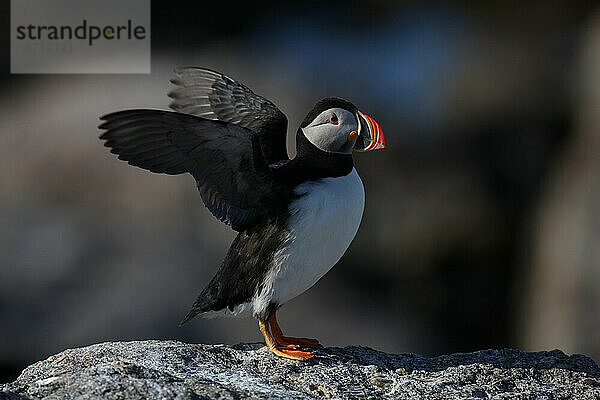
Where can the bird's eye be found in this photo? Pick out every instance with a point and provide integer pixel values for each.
(334, 119)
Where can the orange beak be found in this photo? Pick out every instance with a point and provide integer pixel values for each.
(370, 136)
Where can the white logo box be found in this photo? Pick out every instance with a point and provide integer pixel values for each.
(80, 36)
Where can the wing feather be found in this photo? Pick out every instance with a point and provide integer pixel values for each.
(232, 175)
(212, 95)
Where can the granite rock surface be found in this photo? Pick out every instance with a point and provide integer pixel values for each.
(176, 370)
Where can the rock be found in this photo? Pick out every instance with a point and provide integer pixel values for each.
(176, 370)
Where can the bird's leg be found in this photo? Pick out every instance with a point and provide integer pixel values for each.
(278, 334)
(286, 340)
(280, 350)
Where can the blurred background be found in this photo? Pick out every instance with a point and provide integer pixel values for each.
(483, 213)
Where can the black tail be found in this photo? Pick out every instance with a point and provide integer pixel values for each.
(203, 303)
(193, 312)
(200, 305)
(234, 283)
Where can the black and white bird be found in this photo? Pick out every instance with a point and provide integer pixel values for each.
(295, 218)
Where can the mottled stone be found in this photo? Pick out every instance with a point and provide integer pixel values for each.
(175, 370)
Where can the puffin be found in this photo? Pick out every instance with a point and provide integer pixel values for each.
(295, 217)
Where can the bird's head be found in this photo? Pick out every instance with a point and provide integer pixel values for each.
(337, 126)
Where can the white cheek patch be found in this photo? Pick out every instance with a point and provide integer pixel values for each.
(330, 137)
(323, 136)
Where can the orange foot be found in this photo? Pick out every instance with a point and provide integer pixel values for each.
(292, 354)
(288, 341)
(282, 350)
(297, 341)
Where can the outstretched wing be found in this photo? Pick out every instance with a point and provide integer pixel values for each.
(212, 95)
(232, 175)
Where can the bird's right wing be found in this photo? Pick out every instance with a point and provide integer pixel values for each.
(212, 95)
(232, 176)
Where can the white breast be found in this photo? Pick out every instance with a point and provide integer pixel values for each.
(322, 225)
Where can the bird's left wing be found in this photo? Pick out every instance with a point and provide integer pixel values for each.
(233, 178)
(213, 95)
